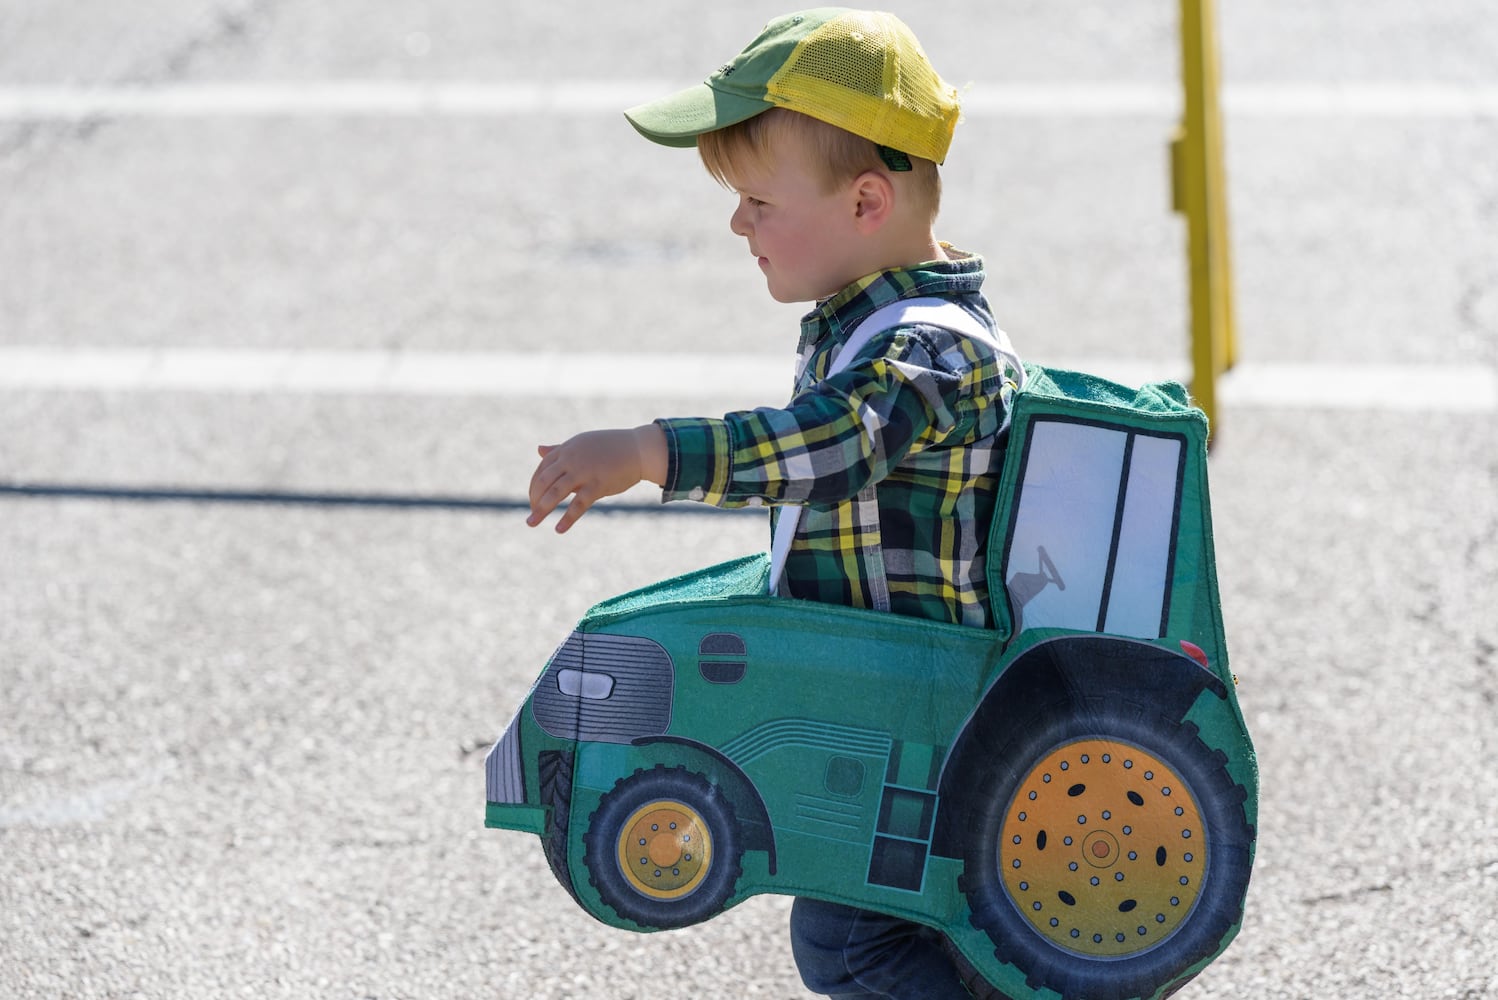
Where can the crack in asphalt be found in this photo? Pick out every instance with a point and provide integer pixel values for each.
(1481, 869)
(229, 24)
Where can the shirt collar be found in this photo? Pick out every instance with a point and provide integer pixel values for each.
(840, 313)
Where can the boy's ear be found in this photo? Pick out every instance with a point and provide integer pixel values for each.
(874, 200)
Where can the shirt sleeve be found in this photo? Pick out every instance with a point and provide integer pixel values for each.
(914, 388)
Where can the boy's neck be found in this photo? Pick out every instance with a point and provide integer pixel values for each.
(908, 252)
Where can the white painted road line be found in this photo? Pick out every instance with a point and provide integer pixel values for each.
(1429, 388)
(317, 98)
(1361, 100)
(387, 372)
(394, 98)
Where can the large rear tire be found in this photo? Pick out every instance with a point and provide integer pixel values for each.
(1108, 851)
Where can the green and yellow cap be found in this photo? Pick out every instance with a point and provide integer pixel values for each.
(862, 71)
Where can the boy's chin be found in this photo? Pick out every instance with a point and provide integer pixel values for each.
(791, 296)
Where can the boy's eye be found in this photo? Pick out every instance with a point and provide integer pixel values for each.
(753, 202)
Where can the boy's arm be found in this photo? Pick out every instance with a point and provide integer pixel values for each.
(832, 440)
(593, 465)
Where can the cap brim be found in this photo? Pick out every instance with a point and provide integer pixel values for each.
(679, 118)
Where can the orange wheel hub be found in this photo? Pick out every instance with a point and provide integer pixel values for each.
(1103, 849)
(665, 849)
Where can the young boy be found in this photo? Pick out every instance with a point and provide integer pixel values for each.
(829, 126)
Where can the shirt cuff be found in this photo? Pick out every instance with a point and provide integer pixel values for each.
(697, 459)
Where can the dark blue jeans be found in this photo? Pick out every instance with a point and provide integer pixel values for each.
(843, 952)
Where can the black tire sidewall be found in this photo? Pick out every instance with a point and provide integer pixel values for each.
(615, 887)
(1218, 908)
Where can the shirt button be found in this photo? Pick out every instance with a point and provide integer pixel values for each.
(697, 493)
(755, 501)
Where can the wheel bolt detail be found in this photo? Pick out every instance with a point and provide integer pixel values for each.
(1081, 896)
(677, 850)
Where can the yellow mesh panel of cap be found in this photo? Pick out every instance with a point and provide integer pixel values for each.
(866, 73)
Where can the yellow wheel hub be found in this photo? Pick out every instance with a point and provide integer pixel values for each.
(1103, 849)
(665, 849)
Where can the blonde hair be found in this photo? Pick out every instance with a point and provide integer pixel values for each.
(837, 154)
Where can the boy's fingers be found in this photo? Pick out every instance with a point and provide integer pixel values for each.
(546, 502)
(552, 474)
(576, 509)
(546, 491)
(542, 480)
(538, 513)
(551, 486)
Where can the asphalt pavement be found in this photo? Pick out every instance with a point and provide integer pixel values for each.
(254, 641)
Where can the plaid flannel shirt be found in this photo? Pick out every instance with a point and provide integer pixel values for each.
(895, 459)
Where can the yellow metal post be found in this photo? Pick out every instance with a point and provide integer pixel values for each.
(1200, 183)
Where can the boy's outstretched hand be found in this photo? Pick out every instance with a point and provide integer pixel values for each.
(593, 465)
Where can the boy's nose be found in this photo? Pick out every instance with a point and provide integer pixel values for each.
(738, 221)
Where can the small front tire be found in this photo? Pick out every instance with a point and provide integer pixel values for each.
(662, 849)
